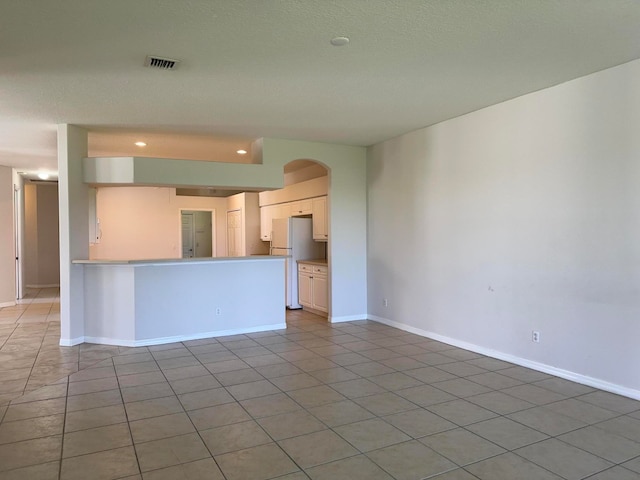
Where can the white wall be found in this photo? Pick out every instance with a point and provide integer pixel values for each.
(144, 222)
(7, 241)
(522, 216)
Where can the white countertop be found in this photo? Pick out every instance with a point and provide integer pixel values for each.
(179, 261)
(319, 261)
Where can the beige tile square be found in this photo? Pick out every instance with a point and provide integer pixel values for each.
(295, 382)
(257, 463)
(29, 428)
(146, 392)
(95, 417)
(236, 377)
(157, 428)
(418, 423)
(585, 412)
(563, 459)
(425, 395)
(616, 473)
(610, 401)
(237, 436)
(317, 448)
(494, 380)
(533, 394)
(44, 471)
(30, 452)
(288, 425)
(39, 408)
(105, 465)
(249, 390)
(340, 413)
(91, 386)
(194, 384)
(334, 375)
(96, 439)
(94, 400)
(205, 469)
(218, 416)
(500, 403)
(461, 446)
(138, 379)
(170, 451)
(154, 407)
(371, 434)
(410, 460)
(269, 405)
(599, 442)
(359, 387)
(385, 403)
(396, 381)
(506, 433)
(624, 426)
(564, 387)
(509, 466)
(184, 372)
(547, 421)
(461, 412)
(353, 468)
(205, 398)
(315, 396)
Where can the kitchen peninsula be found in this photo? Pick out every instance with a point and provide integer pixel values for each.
(149, 302)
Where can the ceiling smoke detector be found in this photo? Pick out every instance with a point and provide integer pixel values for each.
(161, 63)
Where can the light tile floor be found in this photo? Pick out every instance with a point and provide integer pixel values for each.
(356, 400)
(30, 355)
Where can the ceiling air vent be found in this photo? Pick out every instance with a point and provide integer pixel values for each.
(161, 63)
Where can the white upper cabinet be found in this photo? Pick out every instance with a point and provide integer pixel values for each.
(320, 219)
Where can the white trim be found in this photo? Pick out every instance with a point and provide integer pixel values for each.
(7, 304)
(177, 338)
(541, 367)
(49, 285)
(71, 342)
(348, 318)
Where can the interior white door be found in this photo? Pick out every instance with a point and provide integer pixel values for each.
(234, 233)
(188, 235)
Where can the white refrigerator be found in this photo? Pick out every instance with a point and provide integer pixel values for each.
(293, 237)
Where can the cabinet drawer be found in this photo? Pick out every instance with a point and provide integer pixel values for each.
(322, 270)
(304, 267)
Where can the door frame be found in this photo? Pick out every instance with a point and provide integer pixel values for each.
(213, 227)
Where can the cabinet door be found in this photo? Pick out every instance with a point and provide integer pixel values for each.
(319, 207)
(302, 207)
(266, 215)
(320, 292)
(304, 289)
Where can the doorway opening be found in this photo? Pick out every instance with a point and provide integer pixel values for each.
(197, 233)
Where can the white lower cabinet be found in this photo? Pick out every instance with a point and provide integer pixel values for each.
(313, 286)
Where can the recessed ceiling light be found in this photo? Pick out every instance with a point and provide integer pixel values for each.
(339, 41)
(141, 144)
(241, 152)
(43, 175)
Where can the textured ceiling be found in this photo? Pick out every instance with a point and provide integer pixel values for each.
(252, 68)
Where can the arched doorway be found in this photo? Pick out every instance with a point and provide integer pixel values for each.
(298, 215)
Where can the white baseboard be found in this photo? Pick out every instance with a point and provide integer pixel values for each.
(7, 304)
(523, 362)
(348, 318)
(178, 338)
(71, 342)
(48, 285)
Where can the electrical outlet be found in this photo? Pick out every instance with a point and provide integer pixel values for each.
(385, 302)
(535, 336)
(218, 311)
